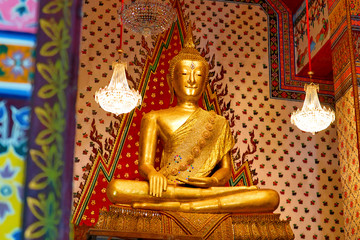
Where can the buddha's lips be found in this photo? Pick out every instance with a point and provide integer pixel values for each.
(191, 87)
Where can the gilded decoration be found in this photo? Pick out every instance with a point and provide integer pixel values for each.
(337, 16)
(205, 226)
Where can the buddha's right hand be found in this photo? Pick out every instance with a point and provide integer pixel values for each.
(203, 182)
(157, 184)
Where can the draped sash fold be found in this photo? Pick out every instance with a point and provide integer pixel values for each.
(197, 146)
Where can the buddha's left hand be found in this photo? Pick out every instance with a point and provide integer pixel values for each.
(202, 182)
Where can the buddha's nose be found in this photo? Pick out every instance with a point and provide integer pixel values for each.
(192, 79)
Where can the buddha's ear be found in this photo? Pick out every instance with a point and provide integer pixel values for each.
(171, 88)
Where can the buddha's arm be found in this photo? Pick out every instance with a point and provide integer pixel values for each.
(223, 174)
(147, 149)
(219, 178)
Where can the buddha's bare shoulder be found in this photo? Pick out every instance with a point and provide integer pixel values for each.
(158, 114)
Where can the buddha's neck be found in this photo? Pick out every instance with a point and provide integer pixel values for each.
(188, 105)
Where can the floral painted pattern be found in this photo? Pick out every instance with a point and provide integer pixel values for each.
(46, 210)
(14, 123)
(319, 31)
(18, 15)
(11, 194)
(16, 63)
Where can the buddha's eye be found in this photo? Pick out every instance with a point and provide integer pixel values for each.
(184, 73)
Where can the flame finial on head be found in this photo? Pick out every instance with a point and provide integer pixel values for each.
(189, 41)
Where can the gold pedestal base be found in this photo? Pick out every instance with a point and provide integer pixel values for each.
(128, 222)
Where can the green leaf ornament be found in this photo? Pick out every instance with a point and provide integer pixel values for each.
(48, 214)
(54, 122)
(48, 160)
(57, 81)
(56, 6)
(59, 35)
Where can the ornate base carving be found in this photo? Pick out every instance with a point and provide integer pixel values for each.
(122, 221)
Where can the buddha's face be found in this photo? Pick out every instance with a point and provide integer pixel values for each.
(189, 79)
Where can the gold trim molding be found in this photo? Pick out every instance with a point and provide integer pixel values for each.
(122, 221)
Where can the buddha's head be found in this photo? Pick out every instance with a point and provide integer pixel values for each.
(188, 71)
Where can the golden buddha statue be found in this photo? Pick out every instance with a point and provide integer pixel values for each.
(196, 160)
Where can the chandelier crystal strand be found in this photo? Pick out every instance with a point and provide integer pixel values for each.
(148, 17)
(312, 117)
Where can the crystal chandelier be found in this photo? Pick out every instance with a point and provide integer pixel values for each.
(148, 17)
(312, 117)
(117, 97)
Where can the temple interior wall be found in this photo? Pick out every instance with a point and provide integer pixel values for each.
(302, 167)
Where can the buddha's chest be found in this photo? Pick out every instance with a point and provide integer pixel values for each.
(188, 150)
(169, 124)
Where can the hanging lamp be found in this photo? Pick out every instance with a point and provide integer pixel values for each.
(117, 97)
(148, 17)
(312, 117)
